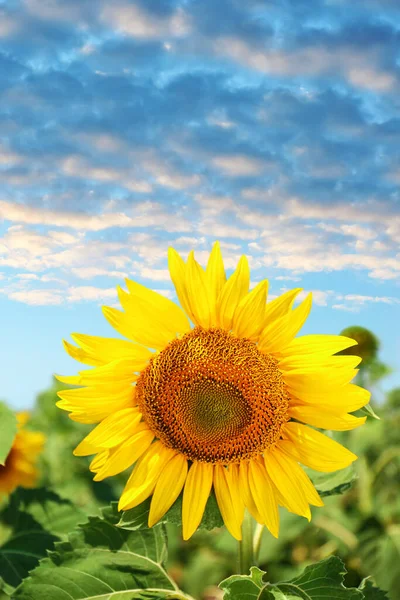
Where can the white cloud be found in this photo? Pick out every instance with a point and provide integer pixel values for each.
(136, 22)
(361, 299)
(383, 274)
(355, 302)
(345, 307)
(167, 293)
(8, 25)
(238, 165)
(360, 68)
(165, 174)
(146, 214)
(53, 9)
(89, 292)
(77, 166)
(90, 272)
(155, 274)
(37, 297)
(7, 157)
(371, 79)
(221, 230)
(189, 241)
(287, 278)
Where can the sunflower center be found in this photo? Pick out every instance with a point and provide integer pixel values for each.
(213, 397)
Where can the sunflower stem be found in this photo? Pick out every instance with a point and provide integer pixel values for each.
(246, 550)
(258, 533)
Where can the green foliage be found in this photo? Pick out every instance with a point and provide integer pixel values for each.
(8, 430)
(57, 460)
(380, 551)
(321, 580)
(32, 522)
(136, 518)
(370, 591)
(367, 343)
(393, 399)
(101, 560)
(330, 484)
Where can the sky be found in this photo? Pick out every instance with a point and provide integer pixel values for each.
(127, 127)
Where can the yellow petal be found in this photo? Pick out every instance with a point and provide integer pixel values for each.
(216, 278)
(134, 329)
(169, 314)
(340, 400)
(231, 294)
(310, 492)
(30, 442)
(69, 379)
(198, 293)
(177, 270)
(264, 496)
(168, 487)
(284, 473)
(22, 418)
(228, 497)
(324, 419)
(99, 460)
(115, 429)
(109, 349)
(123, 456)
(246, 492)
(195, 495)
(281, 332)
(280, 306)
(117, 371)
(312, 362)
(22, 464)
(331, 364)
(300, 384)
(81, 355)
(88, 397)
(248, 319)
(319, 344)
(93, 404)
(144, 476)
(146, 325)
(85, 449)
(316, 450)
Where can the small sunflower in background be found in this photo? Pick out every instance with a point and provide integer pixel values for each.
(20, 466)
(218, 394)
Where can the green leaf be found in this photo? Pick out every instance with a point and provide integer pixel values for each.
(380, 553)
(27, 543)
(136, 518)
(34, 520)
(243, 587)
(368, 410)
(5, 590)
(371, 592)
(57, 515)
(100, 561)
(329, 484)
(8, 430)
(323, 580)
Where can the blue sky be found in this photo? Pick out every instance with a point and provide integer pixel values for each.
(127, 127)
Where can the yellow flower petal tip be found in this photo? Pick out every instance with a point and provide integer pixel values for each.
(21, 464)
(216, 392)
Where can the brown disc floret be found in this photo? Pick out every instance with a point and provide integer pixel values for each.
(213, 397)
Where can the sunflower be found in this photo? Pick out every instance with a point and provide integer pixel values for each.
(20, 469)
(218, 394)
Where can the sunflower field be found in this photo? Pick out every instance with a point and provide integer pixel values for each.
(211, 452)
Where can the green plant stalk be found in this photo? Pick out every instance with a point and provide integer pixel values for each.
(257, 539)
(246, 549)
